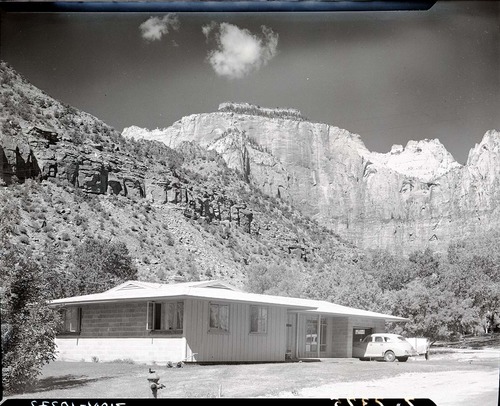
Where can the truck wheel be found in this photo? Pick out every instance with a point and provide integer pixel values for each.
(402, 359)
(389, 356)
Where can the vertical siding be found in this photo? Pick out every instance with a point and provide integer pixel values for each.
(238, 344)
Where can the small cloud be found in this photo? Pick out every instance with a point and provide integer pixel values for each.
(207, 29)
(154, 28)
(238, 51)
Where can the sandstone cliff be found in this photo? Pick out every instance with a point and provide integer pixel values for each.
(180, 213)
(413, 197)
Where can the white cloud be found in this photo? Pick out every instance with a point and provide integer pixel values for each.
(238, 51)
(154, 28)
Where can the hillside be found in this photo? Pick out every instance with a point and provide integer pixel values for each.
(183, 214)
(411, 198)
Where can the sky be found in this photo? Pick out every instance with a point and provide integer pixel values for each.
(388, 76)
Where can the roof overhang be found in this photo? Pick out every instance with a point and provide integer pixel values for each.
(360, 314)
(217, 291)
(194, 293)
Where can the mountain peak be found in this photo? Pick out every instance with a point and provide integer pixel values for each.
(425, 160)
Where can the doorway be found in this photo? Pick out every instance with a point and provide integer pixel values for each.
(359, 333)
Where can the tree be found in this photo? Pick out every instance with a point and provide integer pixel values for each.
(273, 279)
(391, 272)
(433, 312)
(99, 265)
(423, 263)
(345, 284)
(474, 273)
(29, 326)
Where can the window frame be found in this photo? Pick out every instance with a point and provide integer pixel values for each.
(78, 320)
(157, 313)
(323, 334)
(152, 317)
(177, 306)
(260, 311)
(219, 327)
(311, 342)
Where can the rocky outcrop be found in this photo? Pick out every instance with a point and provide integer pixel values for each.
(413, 197)
(41, 153)
(94, 170)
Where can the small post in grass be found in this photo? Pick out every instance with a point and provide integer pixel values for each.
(154, 384)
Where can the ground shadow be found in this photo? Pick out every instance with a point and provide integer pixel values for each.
(64, 382)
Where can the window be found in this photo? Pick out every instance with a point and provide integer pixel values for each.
(219, 317)
(174, 315)
(71, 319)
(322, 336)
(165, 316)
(312, 334)
(258, 319)
(379, 339)
(154, 316)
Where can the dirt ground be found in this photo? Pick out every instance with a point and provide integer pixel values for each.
(444, 388)
(456, 377)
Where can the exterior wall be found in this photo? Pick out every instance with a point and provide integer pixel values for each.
(378, 326)
(118, 331)
(339, 335)
(147, 350)
(237, 345)
(113, 331)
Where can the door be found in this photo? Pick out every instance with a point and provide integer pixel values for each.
(359, 333)
(291, 336)
(358, 346)
(376, 347)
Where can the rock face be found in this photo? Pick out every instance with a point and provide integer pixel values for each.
(413, 197)
(41, 138)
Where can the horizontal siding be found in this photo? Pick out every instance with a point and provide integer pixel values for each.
(114, 320)
(124, 320)
(340, 337)
(237, 345)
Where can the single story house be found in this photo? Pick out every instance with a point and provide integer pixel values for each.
(205, 322)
